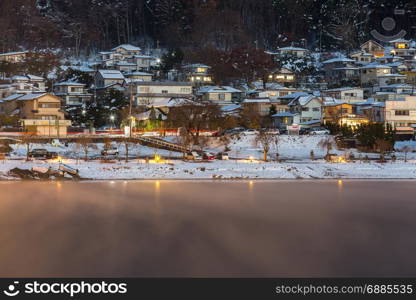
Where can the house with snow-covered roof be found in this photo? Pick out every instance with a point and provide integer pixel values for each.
(73, 93)
(374, 48)
(104, 78)
(346, 94)
(39, 113)
(283, 76)
(14, 57)
(369, 73)
(197, 73)
(292, 51)
(219, 94)
(339, 69)
(308, 107)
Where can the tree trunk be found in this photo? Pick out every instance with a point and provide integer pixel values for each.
(265, 155)
(127, 152)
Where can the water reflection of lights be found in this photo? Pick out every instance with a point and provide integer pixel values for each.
(340, 184)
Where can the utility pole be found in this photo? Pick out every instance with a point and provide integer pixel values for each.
(131, 109)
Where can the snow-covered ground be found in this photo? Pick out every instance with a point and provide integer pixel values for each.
(294, 151)
(177, 169)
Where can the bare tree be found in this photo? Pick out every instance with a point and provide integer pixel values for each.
(28, 139)
(265, 140)
(128, 143)
(85, 143)
(406, 150)
(327, 144)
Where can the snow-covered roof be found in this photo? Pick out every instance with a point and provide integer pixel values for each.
(31, 96)
(111, 74)
(34, 77)
(164, 83)
(137, 73)
(14, 53)
(311, 122)
(398, 85)
(303, 100)
(196, 66)
(12, 97)
(127, 47)
(69, 83)
(343, 89)
(400, 41)
(256, 100)
(218, 89)
(292, 49)
(124, 63)
(19, 77)
(337, 60)
(284, 114)
(375, 66)
(392, 75)
(144, 56)
(294, 95)
(229, 108)
(146, 115)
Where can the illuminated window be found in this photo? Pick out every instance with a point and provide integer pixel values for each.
(201, 70)
(401, 46)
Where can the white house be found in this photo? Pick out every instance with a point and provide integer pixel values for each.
(401, 115)
(159, 93)
(309, 108)
(346, 94)
(293, 51)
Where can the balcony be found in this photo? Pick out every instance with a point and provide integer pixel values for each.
(34, 122)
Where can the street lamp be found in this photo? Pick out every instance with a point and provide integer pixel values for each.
(112, 118)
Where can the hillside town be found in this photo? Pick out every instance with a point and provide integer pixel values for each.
(359, 102)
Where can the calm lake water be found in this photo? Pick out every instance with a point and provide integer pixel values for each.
(205, 228)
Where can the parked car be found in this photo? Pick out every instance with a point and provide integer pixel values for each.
(250, 132)
(42, 153)
(235, 130)
(319, 131)
(304, 131)
(223, 156)
(110, 151)
(193, 156)
(208, 156)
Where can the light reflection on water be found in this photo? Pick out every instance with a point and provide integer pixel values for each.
(207, 228)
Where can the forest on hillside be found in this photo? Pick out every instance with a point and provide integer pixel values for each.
(83, 26)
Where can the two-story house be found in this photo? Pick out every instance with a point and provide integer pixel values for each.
(346, 94)
(309, 108)
(159, 93)
(73, 93)
(105, 78)
(369, 73)
(198, 74)
(401, 114)
(219, 94)
(39, 113)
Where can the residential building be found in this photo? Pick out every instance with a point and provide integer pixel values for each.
(369, 74)
(14, 57)
(373, 48)
(401, 114)
(23, 85)
(308, 107)
(384, 80)
(219, 94)
(105, 78)
(403, 49)
(39, 113)
(283, 76)
(73, 93)
(159, 93)
(261, 106)
(293, 51)
(342, 114)
(346, 94)
(362, 58)
(198, 74)
(340, 69)
(138, 76)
